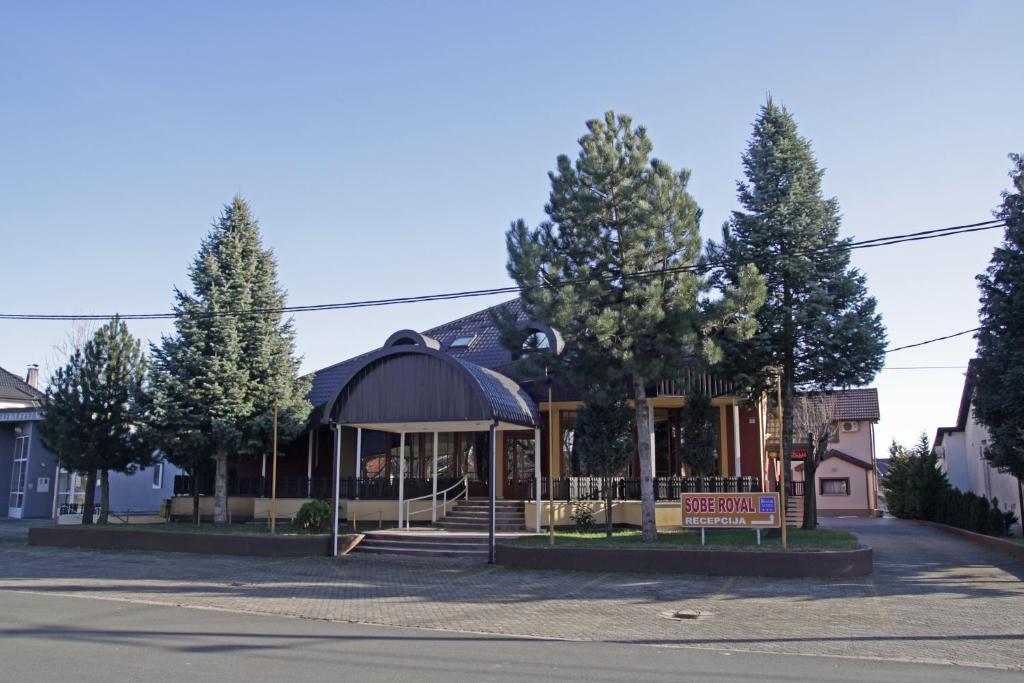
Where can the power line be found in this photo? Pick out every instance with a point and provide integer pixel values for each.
(927, 367)
(703, 267)
(932, 341)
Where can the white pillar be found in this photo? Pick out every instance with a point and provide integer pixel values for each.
(359, 459)
(263, 467)
(433, 501)
(401, 476)
(650, 421)
(536, 473)
(309, 467)
(493, 486)
(736, 437)
(337, 488)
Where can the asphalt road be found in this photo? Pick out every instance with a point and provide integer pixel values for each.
(44, 638)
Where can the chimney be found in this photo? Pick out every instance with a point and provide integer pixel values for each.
(32, 376)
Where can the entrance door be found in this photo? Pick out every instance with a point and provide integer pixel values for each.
(19, 475)
(474, 461)
(519, 465)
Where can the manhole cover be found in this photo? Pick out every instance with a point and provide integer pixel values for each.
(687, 614)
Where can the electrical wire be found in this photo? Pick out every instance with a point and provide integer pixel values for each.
(702, 267)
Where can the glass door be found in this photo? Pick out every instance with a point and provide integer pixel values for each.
(19, 474)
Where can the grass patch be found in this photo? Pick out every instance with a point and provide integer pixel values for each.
(190, 528)
(716, 539)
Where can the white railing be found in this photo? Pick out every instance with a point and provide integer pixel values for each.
(464, 483)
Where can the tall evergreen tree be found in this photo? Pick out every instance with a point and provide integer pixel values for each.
(232, 358)
(819, 326)
(94, 409)
(998, 372)
(610, 270)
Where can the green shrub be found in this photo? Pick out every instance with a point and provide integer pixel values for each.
(583, 516)
(314, 517)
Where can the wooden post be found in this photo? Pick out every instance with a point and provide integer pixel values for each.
(273, 478)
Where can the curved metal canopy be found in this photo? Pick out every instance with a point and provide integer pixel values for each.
(410, 387)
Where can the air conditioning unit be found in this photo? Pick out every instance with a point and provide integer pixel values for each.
(850, 427)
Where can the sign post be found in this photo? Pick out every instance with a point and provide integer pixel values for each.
(731, 511)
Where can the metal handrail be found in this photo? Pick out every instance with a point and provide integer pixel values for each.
(444, 506)
(380, 519)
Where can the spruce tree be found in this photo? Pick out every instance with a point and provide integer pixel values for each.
(94, 410)
(232, 358)
(611, 270)
(998, 371)
(819, 326)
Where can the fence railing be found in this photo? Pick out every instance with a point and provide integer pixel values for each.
(796, 488)
(317, 487)
(628, 488)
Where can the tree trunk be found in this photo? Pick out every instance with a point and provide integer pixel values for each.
(104, 496)
(195, 495)
(608, 506)
(810, 489)
(90, 496)
(220, 489)
(645, 448)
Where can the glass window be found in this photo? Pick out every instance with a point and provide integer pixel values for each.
(571, 466)
(462, 342)
(835, 487)
(158, 475)
(519, 452)
(536, 340)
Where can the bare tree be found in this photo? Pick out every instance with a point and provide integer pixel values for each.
(814, 417)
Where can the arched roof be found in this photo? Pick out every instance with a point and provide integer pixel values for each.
(412, 383)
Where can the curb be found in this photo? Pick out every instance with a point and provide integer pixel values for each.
(790, 565)
(1010, 548)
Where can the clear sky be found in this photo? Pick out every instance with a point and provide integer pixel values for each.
(385, 147)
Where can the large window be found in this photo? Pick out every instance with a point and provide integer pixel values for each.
(571, 465)
(19, 474)
(834, 487)
(519, 455)
(158, 475)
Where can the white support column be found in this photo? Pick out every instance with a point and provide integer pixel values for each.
(536, 473)
(401, 477)
(309, 466)
(337, 489)
(493, 490)
(650, 421)
(736, 438)
(433, 501)
(263, 466)
(359, 459)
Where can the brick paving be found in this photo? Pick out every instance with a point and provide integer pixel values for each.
(933, 597)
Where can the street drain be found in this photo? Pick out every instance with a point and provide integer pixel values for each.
(687, 614)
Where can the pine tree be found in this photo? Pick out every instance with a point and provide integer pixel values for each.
(998, 372)
(94, 409)
(231, 360)
(819, 326)
(608, 270)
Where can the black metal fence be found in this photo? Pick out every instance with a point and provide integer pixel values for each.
(317, 487)
(628, 488)
(796, 488)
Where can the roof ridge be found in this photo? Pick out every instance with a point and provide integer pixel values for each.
(470, 315)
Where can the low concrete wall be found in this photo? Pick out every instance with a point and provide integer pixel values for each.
(669, 514)
(794, 564)
(1011, 548)
(169, 541)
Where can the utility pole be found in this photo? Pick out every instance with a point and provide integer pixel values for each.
(273, 478)
(551, 460)
(782, 461)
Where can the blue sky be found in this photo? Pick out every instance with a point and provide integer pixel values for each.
(385, 147)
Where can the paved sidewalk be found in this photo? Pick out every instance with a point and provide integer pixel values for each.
(933, 597)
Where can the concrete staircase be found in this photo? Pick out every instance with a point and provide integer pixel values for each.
(474, 515)
(794, 510)
(424, 544)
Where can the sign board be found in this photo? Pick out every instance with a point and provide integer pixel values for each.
(731, 510)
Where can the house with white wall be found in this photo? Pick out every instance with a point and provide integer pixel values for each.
(961, 453)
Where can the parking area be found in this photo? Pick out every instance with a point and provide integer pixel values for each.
(933, 597)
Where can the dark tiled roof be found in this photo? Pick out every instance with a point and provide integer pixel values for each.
(485, 350)
(508, 400)
(833, 453)
(850, 404)
(13, 387)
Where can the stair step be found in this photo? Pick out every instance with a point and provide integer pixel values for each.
(420, 552)
(455, 526)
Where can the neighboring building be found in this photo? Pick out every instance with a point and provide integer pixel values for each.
(27, 467)
(846, 481)
(457, 392)
(961, 453)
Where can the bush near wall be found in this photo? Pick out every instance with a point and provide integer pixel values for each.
(916, 488)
